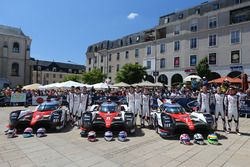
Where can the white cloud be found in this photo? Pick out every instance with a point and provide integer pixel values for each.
(132, 16)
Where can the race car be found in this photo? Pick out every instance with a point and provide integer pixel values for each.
(171, 118)
(49, 114)
(110, 114)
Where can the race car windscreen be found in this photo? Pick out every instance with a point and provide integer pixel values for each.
(108, 108)
(175, 110)
(47, 107)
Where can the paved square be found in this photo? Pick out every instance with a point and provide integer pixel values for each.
(146, 149)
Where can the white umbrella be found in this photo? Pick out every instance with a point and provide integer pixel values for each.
(50, 86)
(121, 84)
(69, 84)
(144, 83)
(102, 86)
(32, 86)
(189, 78)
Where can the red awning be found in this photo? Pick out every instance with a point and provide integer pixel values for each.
(231, 80)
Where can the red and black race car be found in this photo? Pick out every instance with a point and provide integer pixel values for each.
(48, 114)
(171, 118)
(108, 115)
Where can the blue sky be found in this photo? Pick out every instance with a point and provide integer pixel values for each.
(61, 30)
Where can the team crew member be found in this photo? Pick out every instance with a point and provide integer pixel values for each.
(70, 100)
(219, 108)
(77, 100)
(131, 100)
(145, 107)
(85, 101)
(204, 100)
(138, 102)
(232, 106)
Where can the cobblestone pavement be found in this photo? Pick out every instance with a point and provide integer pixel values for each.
(145, 149)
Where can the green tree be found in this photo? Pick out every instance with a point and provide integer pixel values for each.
(202, 68)
(131, 73)
(72, 77)
(93, 77)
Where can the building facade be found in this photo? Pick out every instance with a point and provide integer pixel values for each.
(219, 30)
(47, 72)
(14, 56)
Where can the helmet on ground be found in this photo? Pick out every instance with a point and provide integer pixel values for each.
(212, 139)
(41, 132)
(122, 136)
(11, 133)
(185, 139)
(28, 132)
(84, 132)
(198, 139)
(92, 136)
(108, 136)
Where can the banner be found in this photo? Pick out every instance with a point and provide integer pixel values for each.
(36, 100)
(244, 107)
(18, 98)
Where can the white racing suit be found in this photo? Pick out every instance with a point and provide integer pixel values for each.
(70, 100)
(204, 102)
(145, 108)
(138, 104)
(85, 101)
(219, 109)
(131, 102)
(76, 105)
(232, 106)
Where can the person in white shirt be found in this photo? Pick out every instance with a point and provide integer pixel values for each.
(204, 100)
(146, 101)
(219, 108)
(131, 100)
(138, 102)
(70, 100)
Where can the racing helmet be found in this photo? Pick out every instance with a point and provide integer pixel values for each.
(212, 139)
(28, 132)
(108, 136)
(185, 139)
(41, 132)
(83, 132)
(92, 136)
(122, 136)
(11, 133)
(198, 139)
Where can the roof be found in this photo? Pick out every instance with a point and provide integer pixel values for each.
(59, 64)
(7, 30)
(109, 104)
(171, 105)
(53, 102)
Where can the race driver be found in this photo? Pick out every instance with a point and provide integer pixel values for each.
(85, 101)
(219, 108)
(138, 102)
(76, 104)
(70, 100)
(146, 101)
(131, 100)
(204, 100)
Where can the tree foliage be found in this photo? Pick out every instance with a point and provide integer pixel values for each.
(202, 68)
(94, 76)
(72, 77)
(131, 73)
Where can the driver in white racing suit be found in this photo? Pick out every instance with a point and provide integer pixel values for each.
(219, 108)
(70, 100)
(138, 102)
(204, 100)
(146, 101)
(131, 100)
(85, 101)
(76, 104)
(232, 107)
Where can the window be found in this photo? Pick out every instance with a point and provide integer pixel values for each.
(102, 69)
(89, 60)
(212, 22)
(136, 53)
(117, 67)
(212, 40)
(101, 58)
(110, 57)
(110, 69)
(95, 60)
(237, 1)
(235, 57)
(177, 30)
(166, 20)
(240, 15)
(194, 27)
(235, 37)
(176, 45)
(149, 50)
(162, 48)
(138, 38)
(15, 69)
(180, 16)
(127, 55)
(15, 48)
(212, 58)
(89, 69)
(54, 69)
(69, 70)
(118, 56)
(216, 6)
(61, 76)
(39, 68)
(54, 75)
(162, 63)
(130, 41)
(47, 75)
(121, 43)
(193, 43)
(148, 64)
(193, 60)
(177, 62)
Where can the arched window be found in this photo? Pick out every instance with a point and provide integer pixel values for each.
(15, 69)
(54, 69)
(16, 47)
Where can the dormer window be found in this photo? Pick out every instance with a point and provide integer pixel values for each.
(70, 70)
(180, 16)
(216, 6)
(166, 20)
(138, 38)
(54, 69)
(39, 68)
(15, 48)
